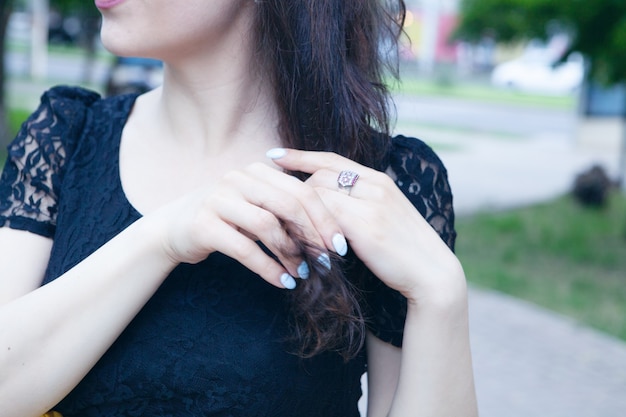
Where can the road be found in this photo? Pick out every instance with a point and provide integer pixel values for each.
(508, 119)
(66, 67)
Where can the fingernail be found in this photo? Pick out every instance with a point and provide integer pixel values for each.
(288, 281)
(340, 244)
(324, 259)
(276, 153)
(303, 270)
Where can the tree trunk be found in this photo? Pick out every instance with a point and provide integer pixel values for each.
(6, 6)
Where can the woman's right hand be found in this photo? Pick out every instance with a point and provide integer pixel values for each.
(111, 285)
(257, 203)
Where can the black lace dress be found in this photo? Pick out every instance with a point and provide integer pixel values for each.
(211, 341)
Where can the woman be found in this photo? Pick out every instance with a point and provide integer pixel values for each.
(152, 245)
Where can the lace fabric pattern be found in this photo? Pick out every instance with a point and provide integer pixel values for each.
(211, 341)
(32, 176)
(423, 179)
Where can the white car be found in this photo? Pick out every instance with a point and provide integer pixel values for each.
(539, 74)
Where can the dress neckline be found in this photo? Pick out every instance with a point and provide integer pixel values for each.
(127, 102)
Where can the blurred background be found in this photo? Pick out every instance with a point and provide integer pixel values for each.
(525, 103)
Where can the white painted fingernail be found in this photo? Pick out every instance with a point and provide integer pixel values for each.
(303, 270)
(276, 153)
(324, 259)
(288, 281)
(340, 244)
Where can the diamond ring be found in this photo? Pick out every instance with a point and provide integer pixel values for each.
(346, 180)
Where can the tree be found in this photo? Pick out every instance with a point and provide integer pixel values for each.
(87, 12)
(89, 15)
(597, 29)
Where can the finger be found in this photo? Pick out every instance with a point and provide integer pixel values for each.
(326, 169)
(311, 161)
(250, 255)
(272, 194)
(298, 205)
(255, 223)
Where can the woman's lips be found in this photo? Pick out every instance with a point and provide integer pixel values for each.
(107, 4)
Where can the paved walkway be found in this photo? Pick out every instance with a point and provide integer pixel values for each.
(530, 362)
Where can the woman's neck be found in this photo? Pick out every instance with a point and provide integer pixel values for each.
(212, 109)
(215, 93)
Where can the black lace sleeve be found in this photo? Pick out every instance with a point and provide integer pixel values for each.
(423, 179)
(33, 172)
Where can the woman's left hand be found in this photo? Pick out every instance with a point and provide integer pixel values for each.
(381, 225)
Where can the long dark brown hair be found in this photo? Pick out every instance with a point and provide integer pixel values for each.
(327, 60)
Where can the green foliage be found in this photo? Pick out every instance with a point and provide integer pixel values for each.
(506, 20)
(16, 118)
(560, 255)
(77, 7)
(597, 27)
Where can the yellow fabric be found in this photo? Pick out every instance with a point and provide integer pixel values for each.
(52, 414)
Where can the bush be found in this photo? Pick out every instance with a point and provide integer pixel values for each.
(591, 188)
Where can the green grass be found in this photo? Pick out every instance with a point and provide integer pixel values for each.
(403, 125)
(445, 81)
(559, 255)
(472, 90)
(15, 119)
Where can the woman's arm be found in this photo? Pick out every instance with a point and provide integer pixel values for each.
(383, 370)
(432, 374)
(51, 336)
(23, 260)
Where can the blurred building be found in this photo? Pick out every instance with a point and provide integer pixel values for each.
(428, 25)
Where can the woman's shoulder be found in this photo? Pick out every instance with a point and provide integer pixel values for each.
(66, 98)
(37, 158)
(66, 112)
(410, 157)
(72, 93)
(60, 116)
(74, 101)
(407, 148)
(61, 110)
(421, 175)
